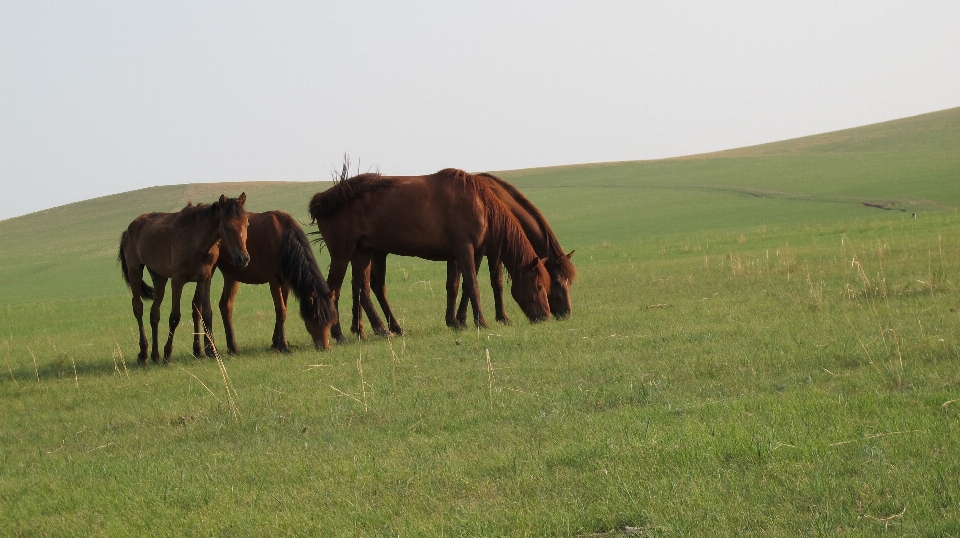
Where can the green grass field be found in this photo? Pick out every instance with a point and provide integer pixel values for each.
(764, 342)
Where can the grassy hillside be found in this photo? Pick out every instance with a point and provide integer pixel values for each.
(764, 342)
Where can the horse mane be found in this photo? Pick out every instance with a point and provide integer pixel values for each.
(515, 249)
(299, 267)
(565, 267)
(231, 209)
(328, 202)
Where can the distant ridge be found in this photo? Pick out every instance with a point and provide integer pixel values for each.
(912, 131)
(862, 137)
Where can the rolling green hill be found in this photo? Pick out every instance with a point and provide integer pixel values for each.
(910, 165)
(763, 342)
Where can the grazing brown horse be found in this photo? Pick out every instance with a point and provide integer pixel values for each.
(181, 247)
(538, 232)
(280, 255)
(544, 242)
(449, 215)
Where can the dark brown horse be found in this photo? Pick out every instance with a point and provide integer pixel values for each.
(449, 215)
(280, 255)
(181, 247)
(538, 232)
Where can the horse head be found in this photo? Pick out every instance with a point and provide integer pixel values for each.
(323, 315)
(561, 276)
(233, 228)
(531, 290)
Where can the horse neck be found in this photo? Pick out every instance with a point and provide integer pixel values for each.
(509, 239)
(204, 232)
(535, 225)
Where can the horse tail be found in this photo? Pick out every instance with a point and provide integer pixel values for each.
(300, 269)
(146, 290)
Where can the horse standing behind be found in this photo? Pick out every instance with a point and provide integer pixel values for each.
(182, 247)
(538, 232)
(449, 215)
(280, 255)
(544, 242)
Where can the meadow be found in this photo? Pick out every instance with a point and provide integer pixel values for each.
(764, 341)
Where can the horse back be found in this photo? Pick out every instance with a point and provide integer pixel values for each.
(424, 216)
(265, 234)
(169, 247)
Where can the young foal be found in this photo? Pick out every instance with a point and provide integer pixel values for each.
(280, 255)
(181, 247)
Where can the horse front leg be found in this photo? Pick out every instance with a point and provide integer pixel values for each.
(203, 288)
(466, 259)
(230, 287)
(378, 281)
(280, 309)
(160, 287)
(195, 313)
(496, 282)
(462, 309)
(177, 289)
(453, 288)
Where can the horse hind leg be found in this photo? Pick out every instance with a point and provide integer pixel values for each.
(356, 315)
(362, 267)
(177, 288)
(160, 288)
(136, 275)
(338, 268)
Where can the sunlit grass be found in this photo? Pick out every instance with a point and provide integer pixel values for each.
(734, 365)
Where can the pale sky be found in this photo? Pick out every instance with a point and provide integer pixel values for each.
(104, 97)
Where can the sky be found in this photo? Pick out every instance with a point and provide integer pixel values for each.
(98, 98)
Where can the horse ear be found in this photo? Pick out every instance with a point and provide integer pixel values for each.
(570, 256)
(242, 199)
(333, 295)
(223, 199)
(533, 264)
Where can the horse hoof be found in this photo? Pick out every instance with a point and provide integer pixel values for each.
(383, 332)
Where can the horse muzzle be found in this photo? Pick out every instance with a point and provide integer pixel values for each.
(241, 260)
